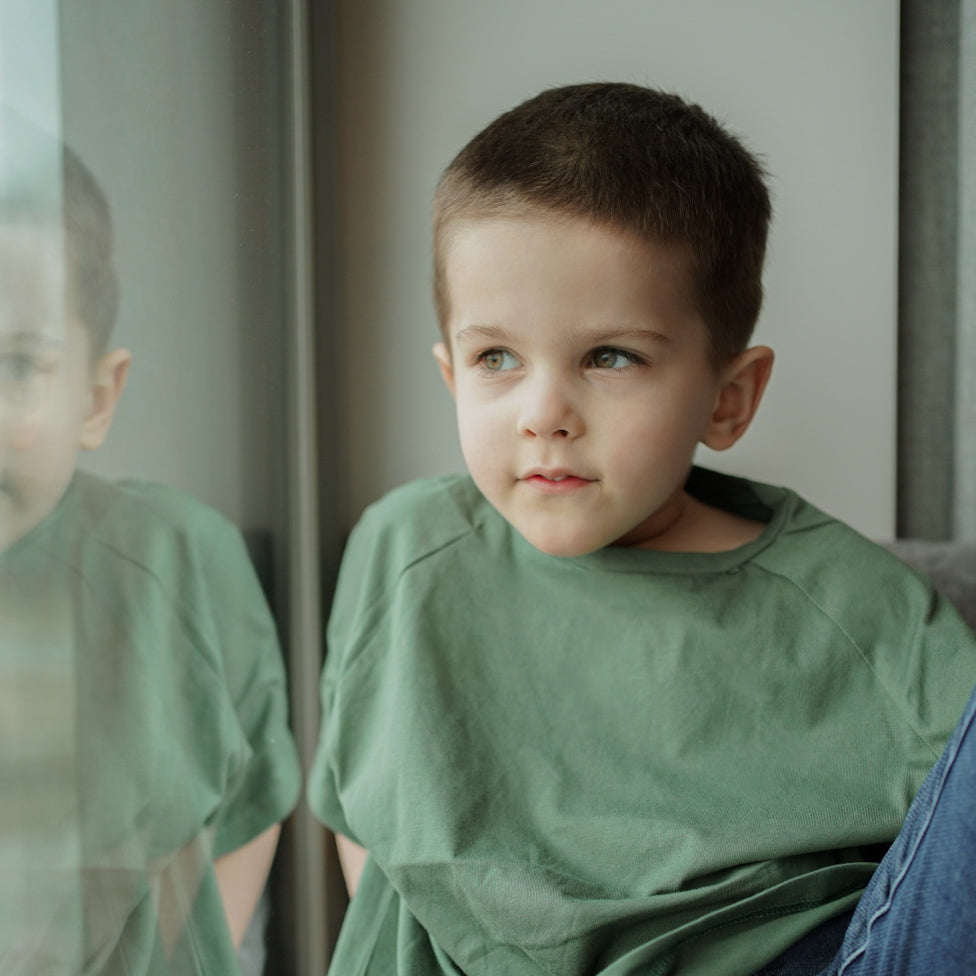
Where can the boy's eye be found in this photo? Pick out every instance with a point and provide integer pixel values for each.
(20, 374)
(19, 367)
(607, 357)
(497, 360)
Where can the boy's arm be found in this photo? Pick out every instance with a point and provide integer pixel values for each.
(241, 876)
(351, 857)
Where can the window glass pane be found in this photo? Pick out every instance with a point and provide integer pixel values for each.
(143, 708)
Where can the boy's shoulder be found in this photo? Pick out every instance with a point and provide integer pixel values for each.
(421, 523)
(424, 515)
(796, 530)
(399, 535)
(149, 504)
(835, 566)
(839, 574)
(809, 539)
(138, 523)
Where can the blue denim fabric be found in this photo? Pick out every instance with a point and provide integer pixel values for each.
(918, 914)
(813, 953)
(917, 917)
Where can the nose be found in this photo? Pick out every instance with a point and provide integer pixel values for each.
(547, 409)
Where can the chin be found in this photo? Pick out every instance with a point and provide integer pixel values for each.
(561, 545)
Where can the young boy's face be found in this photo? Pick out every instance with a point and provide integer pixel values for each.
(50, 400)
(582, 378)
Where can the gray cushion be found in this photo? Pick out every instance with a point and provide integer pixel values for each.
(950, 565)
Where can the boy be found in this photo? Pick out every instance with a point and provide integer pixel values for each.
(146, 757)
(592, 709)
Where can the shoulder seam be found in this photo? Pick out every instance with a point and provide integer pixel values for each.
(382, 597)
(433, 552)
(901, 706)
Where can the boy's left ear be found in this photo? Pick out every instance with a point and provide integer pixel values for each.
(743, 383)
(110, 374)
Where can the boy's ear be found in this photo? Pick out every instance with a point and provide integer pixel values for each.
(110, 374)
(443, 356)
(742, 388)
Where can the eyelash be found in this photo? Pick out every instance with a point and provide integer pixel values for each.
(632, 359)
(481, 357)
(20, 367)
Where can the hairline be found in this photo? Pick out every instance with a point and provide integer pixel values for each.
(496, 204)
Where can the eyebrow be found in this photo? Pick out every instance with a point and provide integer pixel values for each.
(491, 333)
(591, 337)
(34, 341)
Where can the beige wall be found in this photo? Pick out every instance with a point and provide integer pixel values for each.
(811, 84)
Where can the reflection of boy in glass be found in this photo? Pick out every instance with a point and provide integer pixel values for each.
(58, 300)
(145, 731)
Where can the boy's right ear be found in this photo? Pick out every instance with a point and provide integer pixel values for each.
(443, 356)
(108, 381)
(741, 390)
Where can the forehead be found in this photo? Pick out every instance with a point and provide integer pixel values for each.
(32, 282)
(567, 267)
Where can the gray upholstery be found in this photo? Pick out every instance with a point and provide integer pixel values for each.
(950, 565)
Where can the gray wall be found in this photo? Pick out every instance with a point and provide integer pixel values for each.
(812, 85)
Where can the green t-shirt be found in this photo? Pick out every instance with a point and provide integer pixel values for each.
(144, 733)
(625, 762)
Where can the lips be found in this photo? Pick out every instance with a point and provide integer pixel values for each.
(555, 482)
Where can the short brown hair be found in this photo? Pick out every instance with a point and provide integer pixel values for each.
(636, 159)
(93, 281)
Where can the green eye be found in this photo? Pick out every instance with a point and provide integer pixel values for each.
(18, 371)
(497, 360)
(18, 367)
(22, 376)
(609, 358)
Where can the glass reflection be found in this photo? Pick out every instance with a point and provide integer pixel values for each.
(144, 746)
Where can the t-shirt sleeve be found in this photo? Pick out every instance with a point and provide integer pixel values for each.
(910, 639)
(936, 672)
(264, 788)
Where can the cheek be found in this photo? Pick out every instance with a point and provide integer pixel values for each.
(478, 418)
(481, 432)
(21, 433)
(655, 435)
(45, 441)
(475, 440)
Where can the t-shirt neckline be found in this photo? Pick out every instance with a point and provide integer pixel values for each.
(753, 500)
